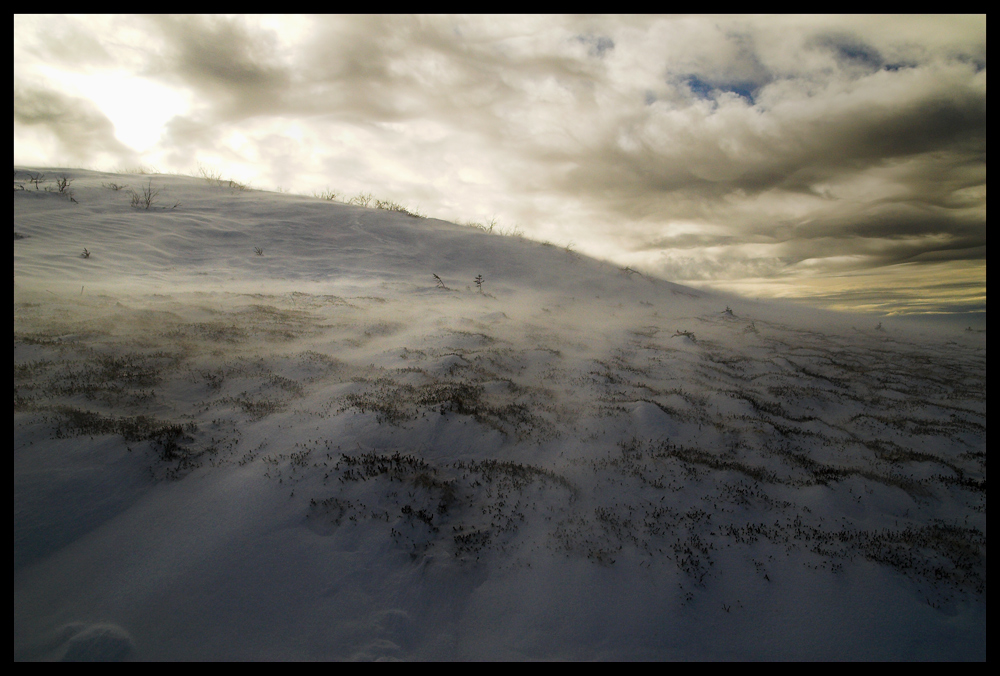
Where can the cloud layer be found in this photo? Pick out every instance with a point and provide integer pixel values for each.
(707, 149)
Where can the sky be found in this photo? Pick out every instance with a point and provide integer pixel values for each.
(838, 160)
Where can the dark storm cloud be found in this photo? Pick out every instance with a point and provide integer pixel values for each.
(954, 121)
(894, 222)
(369, 69)
(230, 65)
(797, 148)
(79, 127)
(872, 237)
(398, 68)
(904, 145)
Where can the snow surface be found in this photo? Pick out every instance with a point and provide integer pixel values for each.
(319, 453)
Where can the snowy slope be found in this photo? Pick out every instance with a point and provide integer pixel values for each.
(321, 452)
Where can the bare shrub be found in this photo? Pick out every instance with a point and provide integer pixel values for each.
(328, 195)
(210, 175)
(389, 205)
(362, 199)
(140, 169)
(144, 199)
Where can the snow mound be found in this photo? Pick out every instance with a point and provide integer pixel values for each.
(256, 422)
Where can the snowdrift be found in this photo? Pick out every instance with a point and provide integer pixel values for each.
(251, 425)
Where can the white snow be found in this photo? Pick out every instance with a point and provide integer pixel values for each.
(316, 453)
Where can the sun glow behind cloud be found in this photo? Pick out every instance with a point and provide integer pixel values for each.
(138, 108)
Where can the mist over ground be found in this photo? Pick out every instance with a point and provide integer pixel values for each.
(252, 425)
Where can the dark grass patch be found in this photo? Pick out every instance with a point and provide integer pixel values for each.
(170, 439)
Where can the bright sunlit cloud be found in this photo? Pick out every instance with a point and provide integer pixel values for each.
(137, 107)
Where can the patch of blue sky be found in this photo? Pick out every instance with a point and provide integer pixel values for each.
(704, 89)
(848, 49)
(978, 62)
(597, 45)
(858, 53)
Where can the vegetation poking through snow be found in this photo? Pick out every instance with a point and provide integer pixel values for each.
(144, 198)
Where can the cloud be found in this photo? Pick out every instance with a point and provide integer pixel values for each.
(850, 51)
(779, 139)
(80, 130)
(597, 45)
(790, 139)
(59, 43)
(231, 66)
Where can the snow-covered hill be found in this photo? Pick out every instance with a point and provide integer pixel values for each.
(251, 425)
